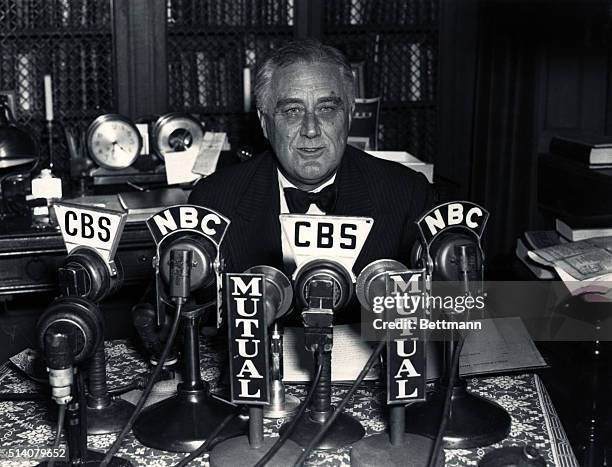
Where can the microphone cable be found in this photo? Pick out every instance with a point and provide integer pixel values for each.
(179, 290)
(204, 446)
(147, 390)
(345, 400)
(285, 436)
(452, 377)
(61, 414)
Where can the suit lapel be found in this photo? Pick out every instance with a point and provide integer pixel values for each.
(354, 198)
(256, 238)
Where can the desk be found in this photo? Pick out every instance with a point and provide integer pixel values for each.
(534, 420)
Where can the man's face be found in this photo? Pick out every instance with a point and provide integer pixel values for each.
(307, 121)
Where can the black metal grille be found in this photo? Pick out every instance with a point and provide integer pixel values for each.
(397, 43)
(72, 41)
(210, 43)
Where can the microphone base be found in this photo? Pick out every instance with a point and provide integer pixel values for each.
(183, 422)
(345, 431)
(94, 459)
(526, 456)
(377, 450)
(109, 419)
(285, 409)
(238, 451)
(473, 422)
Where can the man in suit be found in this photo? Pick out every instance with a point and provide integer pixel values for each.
(305, 100)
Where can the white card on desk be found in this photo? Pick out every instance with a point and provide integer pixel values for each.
(349, 354)
(206, 161)
(178, 167)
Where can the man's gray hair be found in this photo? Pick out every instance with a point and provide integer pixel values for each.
(303, 51)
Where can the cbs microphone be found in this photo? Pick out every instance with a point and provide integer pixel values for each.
(322, 288)
(91, 271)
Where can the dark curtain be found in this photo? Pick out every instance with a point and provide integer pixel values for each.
(503, 175)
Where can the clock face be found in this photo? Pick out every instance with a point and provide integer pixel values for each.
(113, 141)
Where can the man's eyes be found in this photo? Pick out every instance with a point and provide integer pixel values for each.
(327, 108)
(293, 111)
(297, 111)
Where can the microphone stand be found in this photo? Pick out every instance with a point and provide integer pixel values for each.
(104, 414)
(184, 421)
(473, 421)
(395, 448)
(76, 434)
(318, 338)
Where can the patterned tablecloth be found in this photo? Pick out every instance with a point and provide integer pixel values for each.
(534, 420)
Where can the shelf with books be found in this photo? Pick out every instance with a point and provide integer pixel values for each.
(220, 30)
(379, 28)
(53, 33)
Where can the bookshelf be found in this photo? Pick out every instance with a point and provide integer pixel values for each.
(397, 40)
(72, 41)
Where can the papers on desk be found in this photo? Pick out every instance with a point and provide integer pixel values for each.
(188, 166)
(502, 345)
(178, 167)
(349, 355)
(579, 263)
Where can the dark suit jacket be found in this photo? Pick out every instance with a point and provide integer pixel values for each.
(393, 195)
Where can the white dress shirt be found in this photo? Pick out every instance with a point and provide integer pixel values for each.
(284, 209)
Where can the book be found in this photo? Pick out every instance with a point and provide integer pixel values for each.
(575, 234)
(590, 150)
(149, 202)
(535, 239)
(540, 271)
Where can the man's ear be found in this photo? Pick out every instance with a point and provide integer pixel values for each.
(351, 114)
(262, 122)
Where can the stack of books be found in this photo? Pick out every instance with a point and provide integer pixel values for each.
(575, 232)
(593, 151)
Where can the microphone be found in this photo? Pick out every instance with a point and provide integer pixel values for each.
(278, 302)
(85, 274)
(381, 279)
(323, 287)
(69, 332)
(451, 250)
(250, 364)
(179, 282)
(187, 263)
(59, 364)
(371, 281)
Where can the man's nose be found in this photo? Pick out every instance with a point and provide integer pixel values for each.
(310, 125)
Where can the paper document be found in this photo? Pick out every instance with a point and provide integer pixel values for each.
(502, 345)
(178, 167)
(585, 260)
(349, 355)
(206, 161)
